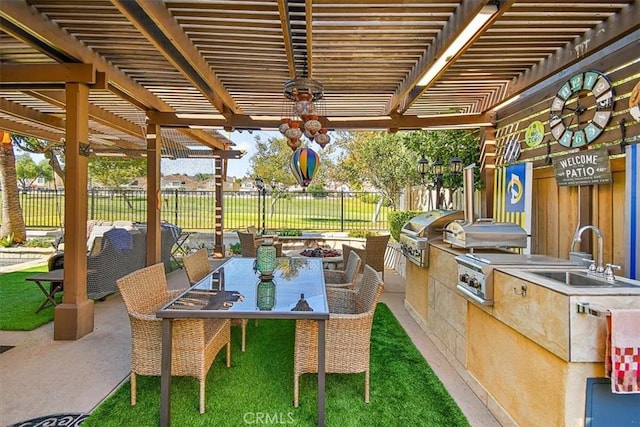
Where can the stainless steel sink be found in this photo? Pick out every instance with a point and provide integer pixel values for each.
(586, 280)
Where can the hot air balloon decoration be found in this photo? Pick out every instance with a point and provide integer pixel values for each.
(304, 164)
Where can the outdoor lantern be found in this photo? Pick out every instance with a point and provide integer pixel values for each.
(438, 167)
(423, 166)
(259, 183)
(266, 295)
(266, 258)
(455, 165)
(304, 164)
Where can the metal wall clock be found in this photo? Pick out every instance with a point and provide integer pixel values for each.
(581, 109)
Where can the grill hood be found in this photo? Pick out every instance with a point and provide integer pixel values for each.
(430, 224)
(418, 231)
(485, 232)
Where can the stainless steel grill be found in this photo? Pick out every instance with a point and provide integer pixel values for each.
(416, 233)
(483, 233)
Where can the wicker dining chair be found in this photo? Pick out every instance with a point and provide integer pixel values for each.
(347, 333)
(344, 278)
(196, 265)
(249, 243)
(196, 342)
(372, 253)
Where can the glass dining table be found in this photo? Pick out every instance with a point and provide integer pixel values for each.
(295, 290)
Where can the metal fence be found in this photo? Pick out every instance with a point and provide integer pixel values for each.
(196, 210)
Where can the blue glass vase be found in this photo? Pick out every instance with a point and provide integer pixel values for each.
(266, 259)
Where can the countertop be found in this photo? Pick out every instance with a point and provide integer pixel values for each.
(567, 289)
(526, 274)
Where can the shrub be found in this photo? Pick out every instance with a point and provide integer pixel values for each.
(397, 219)
(235, 248)
(39, 243)
(7, 241)
(368, 198)
(290, 232)
(360, 234)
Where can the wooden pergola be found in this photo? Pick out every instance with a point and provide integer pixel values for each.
(163, 78)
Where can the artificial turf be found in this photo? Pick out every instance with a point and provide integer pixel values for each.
(258, 388)
(19, 300)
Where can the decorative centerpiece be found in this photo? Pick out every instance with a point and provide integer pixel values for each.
(266, 258)
(266, 295)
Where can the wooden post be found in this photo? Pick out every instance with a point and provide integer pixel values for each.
(218, 249)
(154, 196)
(74, 317)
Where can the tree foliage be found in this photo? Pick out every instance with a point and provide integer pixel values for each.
(444, 145)
(28, 171)
(115, 172)
(53, 152)
(271, 162)
(379, 159)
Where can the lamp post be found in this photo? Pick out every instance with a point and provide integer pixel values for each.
(262, 193)
(437, 170)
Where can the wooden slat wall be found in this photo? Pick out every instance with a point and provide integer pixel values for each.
(555, 216)
(555, 209)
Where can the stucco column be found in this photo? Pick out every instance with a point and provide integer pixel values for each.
(74, 317)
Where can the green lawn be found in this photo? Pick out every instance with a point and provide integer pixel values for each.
(196, 210)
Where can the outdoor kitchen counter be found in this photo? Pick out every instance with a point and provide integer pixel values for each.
(527, 356)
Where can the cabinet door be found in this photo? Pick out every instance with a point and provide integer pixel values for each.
(536, 312)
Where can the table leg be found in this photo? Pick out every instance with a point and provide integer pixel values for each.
(165, 374)
(49, 298)
(321, 369)
(178, 247)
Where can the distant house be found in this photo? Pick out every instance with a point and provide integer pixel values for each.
(178, 181)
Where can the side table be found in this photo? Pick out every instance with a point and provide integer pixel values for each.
(53, 276)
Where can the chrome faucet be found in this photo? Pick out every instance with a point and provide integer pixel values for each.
(577, 239)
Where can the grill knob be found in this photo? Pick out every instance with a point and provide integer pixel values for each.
(474, 283)
(464, 278)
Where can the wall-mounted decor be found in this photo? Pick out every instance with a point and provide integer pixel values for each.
(534, 134)
(583, 168)
(634, 102)
(513, 190)
(581, 109)
(511, 151)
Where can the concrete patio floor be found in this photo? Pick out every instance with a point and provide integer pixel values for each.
(40, 376)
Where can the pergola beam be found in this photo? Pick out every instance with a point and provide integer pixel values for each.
(49, 73)
(286, 36)
(615, 28)
(175, 46)
(407, 93)
(95, 113)
(29, 114)
(20, 21)
(12, 126)
(396, 122)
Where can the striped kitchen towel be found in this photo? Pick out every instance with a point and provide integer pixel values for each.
(625, 351)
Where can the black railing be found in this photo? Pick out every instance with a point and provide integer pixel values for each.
(196, 210)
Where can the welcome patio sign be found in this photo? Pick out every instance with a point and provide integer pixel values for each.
(583, 168)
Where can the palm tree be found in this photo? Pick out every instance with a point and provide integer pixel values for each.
(12, 219)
